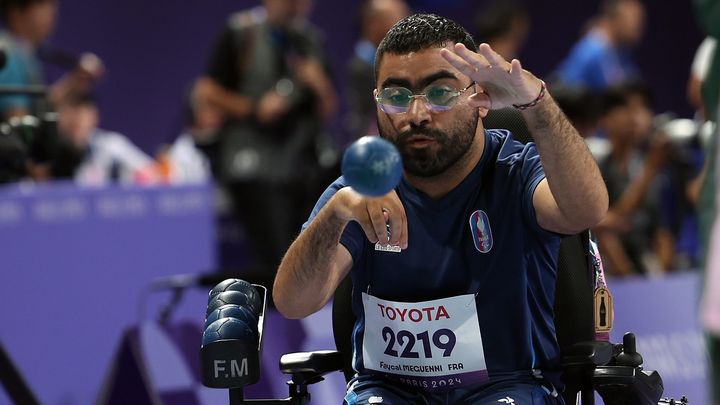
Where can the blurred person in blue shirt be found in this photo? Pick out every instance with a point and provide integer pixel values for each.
(602, 56)
(376, 18)
(26, 25)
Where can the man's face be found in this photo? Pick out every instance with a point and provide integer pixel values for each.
(429, 141)
(77, 122)
(618, 125)
(387, 13)
(282, 12)
(630, 22)
(641, 118)
(40, 17)
(630, 123)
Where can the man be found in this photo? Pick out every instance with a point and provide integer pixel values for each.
(634, 237)
(467, 302)
(27, 24)
(504, 25)
(190, 155)
(105, 157)
(267, 77)
(376, 17)
(602, 57)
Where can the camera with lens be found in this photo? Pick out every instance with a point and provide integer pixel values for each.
(684, 138)
(30, 143)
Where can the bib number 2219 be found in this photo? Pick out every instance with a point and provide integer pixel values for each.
(443, 339)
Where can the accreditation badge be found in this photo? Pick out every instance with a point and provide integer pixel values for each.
(434, 345)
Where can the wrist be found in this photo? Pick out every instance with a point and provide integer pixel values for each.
(541, 95)
(339, 208)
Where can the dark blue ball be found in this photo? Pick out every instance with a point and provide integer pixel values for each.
(236, 284)
(228, 329)
(233, 297)
(372, 166)
(232, 311)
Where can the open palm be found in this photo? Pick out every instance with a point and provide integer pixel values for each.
(503, 83)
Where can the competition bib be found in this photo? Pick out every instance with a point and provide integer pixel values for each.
(434, 345)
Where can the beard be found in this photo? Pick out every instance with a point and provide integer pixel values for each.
(434, 160)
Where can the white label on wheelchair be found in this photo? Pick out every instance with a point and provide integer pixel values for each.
(433, 345)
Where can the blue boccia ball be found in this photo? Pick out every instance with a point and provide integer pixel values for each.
(236, 284)
(233, 297)
(228, 329)
(372, 166)
(232, 311)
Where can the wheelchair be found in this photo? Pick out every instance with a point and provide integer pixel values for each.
(589, 365)
(613, 370)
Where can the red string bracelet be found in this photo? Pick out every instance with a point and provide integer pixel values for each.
(534, 102)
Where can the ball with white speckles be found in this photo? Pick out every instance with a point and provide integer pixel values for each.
(372, 166)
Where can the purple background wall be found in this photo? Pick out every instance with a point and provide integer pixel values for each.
(77, 266)
(154, 49)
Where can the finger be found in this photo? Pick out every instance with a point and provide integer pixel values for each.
(459, 63)
(475, 59)
(377, 217)
(395, 219)
(492, 57)
(367, 227)
(403, 231)
(516, 69)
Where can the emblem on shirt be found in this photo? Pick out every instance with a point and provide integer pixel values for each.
(481, 233)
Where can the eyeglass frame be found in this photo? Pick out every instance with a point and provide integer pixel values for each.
(413, 96)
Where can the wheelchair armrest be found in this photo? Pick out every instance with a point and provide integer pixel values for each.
(587, 354)
(627, 385)
(316, 363)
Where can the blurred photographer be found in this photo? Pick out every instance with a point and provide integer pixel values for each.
(631, 235)
(268, 77)
(26, 24)
(29, 134)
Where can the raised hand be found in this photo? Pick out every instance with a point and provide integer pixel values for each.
(502, 83)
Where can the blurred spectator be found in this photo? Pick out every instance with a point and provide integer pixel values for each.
(504, 24)
(190, 156)
(630, 236)
(602, 56)
(106, 157)
(268, 78)
(583, 107)
(27, 23)
(376, 18)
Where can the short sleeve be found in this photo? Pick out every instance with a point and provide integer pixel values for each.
(353, 237)
(525, 171)
(532, 174)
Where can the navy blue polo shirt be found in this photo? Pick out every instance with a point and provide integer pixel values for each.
(481, 238)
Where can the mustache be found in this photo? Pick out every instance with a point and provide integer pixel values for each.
(424, 131)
